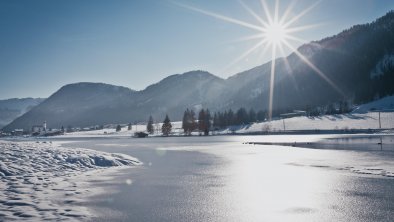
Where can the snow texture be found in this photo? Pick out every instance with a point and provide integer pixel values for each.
(41, 181)
(328, 122)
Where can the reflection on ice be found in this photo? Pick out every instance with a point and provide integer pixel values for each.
(129, 181)
(222, 179)
(265, 188)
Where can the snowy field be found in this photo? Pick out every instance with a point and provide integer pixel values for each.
(352, 121)
(111, 132)
(341, 122)
(42, 181)
(362, 118)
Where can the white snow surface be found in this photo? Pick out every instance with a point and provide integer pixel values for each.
(327, 122)
(43, 181)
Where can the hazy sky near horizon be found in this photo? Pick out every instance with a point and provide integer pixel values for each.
(45, 44)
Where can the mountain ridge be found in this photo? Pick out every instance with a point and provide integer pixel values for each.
(343, 58)
(12, 108)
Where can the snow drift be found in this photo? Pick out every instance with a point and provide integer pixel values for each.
(42, 181)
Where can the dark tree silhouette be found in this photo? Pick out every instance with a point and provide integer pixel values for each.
(241, 116)
(188, 122)
(252, 116)
(201, 121)
(149, 126)
(207, 121)
(166, 127)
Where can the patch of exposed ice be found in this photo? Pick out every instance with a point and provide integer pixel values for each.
(41, 181)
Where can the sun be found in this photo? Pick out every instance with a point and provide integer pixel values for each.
(275, 33)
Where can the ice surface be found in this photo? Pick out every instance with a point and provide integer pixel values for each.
(42, 181)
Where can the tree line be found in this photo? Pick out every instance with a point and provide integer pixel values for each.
(166, 127)
(240, 117)
(205, 121)
(202, 124)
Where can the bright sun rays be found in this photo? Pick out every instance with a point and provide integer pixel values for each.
(275, 32)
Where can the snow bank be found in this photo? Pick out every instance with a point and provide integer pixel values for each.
(41, 181)
(327, 122)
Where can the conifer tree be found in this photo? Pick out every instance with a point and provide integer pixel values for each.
(252, 116)
(207, 121)
(261, 115)
(215, 120)
(241, 116)
(193, 124)
(201, 121)
(166, 127)
(185, 120)
(149, 126)
(230, 119)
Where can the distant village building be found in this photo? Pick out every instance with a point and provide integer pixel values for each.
(17, 132)
(39, 129)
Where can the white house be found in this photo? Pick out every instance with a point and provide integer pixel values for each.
(39, 129)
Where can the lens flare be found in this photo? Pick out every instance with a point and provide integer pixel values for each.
(273, 32)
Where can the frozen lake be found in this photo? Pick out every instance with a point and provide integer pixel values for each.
(221, 179)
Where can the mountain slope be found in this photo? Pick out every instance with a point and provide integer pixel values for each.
(355, 65)
(77, 104)
(357, 61)
(87, 104)
(10, 109)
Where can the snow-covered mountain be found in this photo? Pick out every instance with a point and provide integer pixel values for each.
(346, 61)
(10, 109)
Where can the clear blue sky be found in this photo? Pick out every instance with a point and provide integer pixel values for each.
(45, 44)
